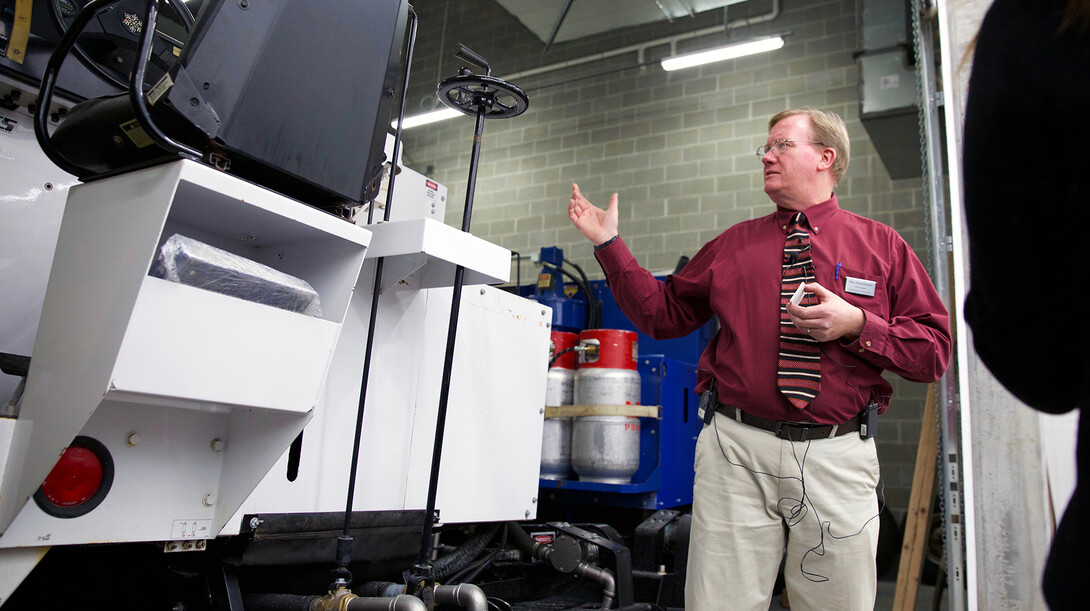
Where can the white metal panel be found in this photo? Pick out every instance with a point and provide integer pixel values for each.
(160, 479)
(15, 564)
(80, 332)
(492, 443)
(108, 238)
(31, 203)
(491, 461)
(172, 467)
(402, 243)
(184, 342)
(326, 455)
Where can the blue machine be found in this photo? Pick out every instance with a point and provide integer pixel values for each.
(667, 445)
(568, 314)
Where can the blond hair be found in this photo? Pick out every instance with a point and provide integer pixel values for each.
(828, 129)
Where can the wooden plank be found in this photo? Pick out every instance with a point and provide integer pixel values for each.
(919, 509)
(639, 411)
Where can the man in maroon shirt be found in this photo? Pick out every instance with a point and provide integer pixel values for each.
(770, 472)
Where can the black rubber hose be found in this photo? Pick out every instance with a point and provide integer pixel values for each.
(518, 536)
(470, 573)
(560, 354)
(465, 553)
(580, 270)
(588, 317)
(594, 304)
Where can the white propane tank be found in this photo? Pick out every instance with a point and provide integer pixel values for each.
(606, 449)
(559, 390)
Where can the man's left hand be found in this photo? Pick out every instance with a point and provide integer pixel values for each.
(830, 318)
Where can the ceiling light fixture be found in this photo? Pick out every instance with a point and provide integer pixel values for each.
(428, 117)
(722, 53)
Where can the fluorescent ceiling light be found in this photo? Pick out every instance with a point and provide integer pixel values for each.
(429, 117)
(721, 53)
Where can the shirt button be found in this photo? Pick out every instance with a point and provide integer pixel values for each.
(867, 344)
(785, 227)
(861, 350)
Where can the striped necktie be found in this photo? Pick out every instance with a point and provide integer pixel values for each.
(799, 366)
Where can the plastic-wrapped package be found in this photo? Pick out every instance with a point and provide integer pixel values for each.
(187, 261)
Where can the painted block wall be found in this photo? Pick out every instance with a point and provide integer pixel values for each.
(678, 147)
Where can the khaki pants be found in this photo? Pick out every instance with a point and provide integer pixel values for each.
(777, 492)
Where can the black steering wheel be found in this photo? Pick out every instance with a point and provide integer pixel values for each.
(109, 44)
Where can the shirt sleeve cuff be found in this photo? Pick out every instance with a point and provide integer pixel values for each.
(606, 243)
(871, 338)
(613, 256)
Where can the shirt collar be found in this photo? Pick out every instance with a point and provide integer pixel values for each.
(816, 216)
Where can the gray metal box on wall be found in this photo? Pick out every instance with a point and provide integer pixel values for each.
(887, 83)
(888, 111)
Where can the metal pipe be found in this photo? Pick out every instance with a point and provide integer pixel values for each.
(279, 602)
(603, 577)
(465, 595)
(382, 589)
(401, 602)
(342, 599)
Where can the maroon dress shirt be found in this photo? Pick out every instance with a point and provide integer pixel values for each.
(737, 278)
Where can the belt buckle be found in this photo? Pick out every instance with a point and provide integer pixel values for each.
(804, 428)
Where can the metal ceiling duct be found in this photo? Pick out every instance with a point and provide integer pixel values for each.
(589, 17)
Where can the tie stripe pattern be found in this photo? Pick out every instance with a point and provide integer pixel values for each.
(799, 366)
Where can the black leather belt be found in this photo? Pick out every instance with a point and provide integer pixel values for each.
(791, 431)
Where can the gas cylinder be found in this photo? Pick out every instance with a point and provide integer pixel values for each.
(559, 390)
(606, 449)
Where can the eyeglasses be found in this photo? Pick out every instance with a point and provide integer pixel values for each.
(779, 146)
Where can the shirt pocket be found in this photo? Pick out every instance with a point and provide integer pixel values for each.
(855, 287)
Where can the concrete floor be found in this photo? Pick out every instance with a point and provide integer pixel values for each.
(886, 591)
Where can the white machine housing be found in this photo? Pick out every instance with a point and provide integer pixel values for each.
(198, 395)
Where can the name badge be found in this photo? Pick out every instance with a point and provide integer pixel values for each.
(859, 286)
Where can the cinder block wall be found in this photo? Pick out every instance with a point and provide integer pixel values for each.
(678, 147)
